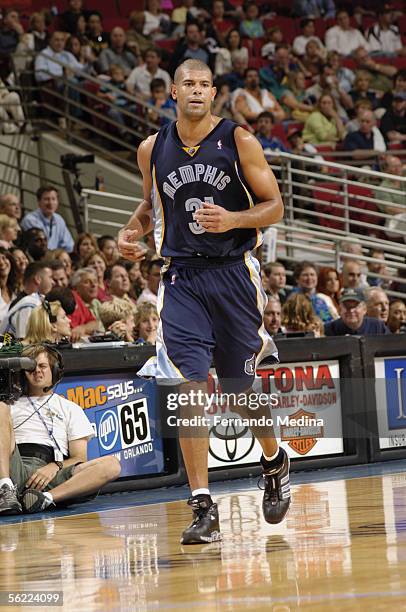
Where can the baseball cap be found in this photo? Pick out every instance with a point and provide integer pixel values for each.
(355, 295)
(399, 95)
(293, 131)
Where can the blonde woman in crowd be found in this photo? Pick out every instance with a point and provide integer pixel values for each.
(298, 316)
(8, 231)
(48, 322)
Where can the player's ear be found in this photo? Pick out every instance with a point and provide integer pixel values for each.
(173, 91)
(213, 92)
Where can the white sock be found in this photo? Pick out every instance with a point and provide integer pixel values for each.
(6, 481)
(273, 456)
(200, 492)
(49, 497)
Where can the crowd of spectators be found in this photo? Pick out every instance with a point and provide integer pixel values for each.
(339, 77)
(57, 289)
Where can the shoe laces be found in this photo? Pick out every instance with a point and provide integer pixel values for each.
(271, 491)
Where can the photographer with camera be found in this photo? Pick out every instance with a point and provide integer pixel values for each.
(47, 219)
(43, 443)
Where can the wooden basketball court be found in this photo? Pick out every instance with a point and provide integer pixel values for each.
(342, 547)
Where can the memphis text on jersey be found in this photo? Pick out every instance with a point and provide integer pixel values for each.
(204, 173)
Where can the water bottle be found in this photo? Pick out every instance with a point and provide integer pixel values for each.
(100, 185)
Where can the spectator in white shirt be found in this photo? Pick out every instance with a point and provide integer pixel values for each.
(51, 62)
(308, 33)
(384, 37)
(342, 37)
(140, 78)
(150, 293)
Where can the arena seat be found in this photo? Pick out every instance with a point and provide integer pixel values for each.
(115, 22)
(286, 24)
(128, 6)
(332, 198)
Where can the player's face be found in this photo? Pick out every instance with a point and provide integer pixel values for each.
(194, 93)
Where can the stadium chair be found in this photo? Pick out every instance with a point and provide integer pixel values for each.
(225, 26)
(115, 22)
(257, 45)
(286, 24)
(333, 196)
(279, 132)
(128, 6)
(324, 150)
(320, 26)
(167, 44)
(356, 195)
(257, 62)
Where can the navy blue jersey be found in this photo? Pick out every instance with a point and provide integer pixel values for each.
(186, 177)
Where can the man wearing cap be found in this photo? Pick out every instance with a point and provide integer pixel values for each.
(393, 123)
(353, 320)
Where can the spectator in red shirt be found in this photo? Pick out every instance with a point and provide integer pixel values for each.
(83, 321)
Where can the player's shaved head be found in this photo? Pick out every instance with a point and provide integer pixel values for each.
(191, 64)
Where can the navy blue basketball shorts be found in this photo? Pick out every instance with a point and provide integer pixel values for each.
(211, 312)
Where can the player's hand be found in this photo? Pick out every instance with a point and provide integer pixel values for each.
(42, 477)
(129, 247)
(215, 219)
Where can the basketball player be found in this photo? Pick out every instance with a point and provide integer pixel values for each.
(207, 191)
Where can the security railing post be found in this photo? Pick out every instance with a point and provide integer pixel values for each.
(346, 203)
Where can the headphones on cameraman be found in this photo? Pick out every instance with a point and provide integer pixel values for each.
(57, 369)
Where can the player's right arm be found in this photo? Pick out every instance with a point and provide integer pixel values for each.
(141, 222)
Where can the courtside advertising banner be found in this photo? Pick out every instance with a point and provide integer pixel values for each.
(305, 412)
(390, 392)
(122, 412)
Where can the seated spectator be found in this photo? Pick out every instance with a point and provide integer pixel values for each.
(146, 323)
(269, 143)
(308, 32)
(314, 8)
(10, 205)
(345, 76)
(221, 26)
(136, 41)
(12, 119)
(138, 282)
(83, 320)
(85, 244)
(274, 76)
(108, 246)
(305, 276)
(399, 86)
(48, 71)
(298, 315)
(299, 147)
(359, 107)
(383, 37)
(276, 273)
(392, 203)
(79, 47)
(35, 243)
(37, 282)
(118, 102)
(328, 83)
(69, 18)
(377, 268)
(273, 38)
(192, 46)
(8, 231)
(251, 100)
(233, 49)
(97, 261)
(329, 285)
(118, 282)
(21, 263)
(33, 484)
(342, 37)
(117, 316)
(157, 24)
(31, 42)
(377, 304)
(64, 257)
(381, 74)
(139, 81)
(48, 322)
(393, 122)
(352, 274)
(236, 78)
(59, 275)
(397, 317)
(273, 316)
(118, 54)
(313, 59)
(361, 89)
(367, 142)
(8, 282)
(182, 14)
(295, 100)
(324, 125)
(97, 37)
(46, 218)
(150, 293)
(251, 26)
(11, 32)
(353, 320)
(161, 100)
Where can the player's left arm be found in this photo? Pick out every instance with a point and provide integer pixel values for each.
(261, 181)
